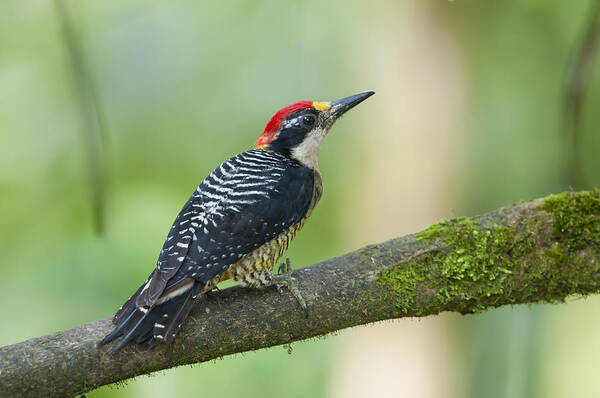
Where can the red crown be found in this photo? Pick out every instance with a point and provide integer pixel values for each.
(273, 126)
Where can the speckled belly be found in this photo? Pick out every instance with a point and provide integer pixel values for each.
(252, 268)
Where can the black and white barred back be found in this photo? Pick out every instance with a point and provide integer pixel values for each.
(247, 201)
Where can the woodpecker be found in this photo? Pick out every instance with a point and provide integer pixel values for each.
(237, 223)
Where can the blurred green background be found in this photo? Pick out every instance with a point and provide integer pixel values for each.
(467, 118)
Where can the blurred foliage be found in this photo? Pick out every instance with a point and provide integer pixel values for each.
(185, 85)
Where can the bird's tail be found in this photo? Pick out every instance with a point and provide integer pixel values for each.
(154, 324)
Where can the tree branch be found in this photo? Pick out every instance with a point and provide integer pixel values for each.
(544, 250)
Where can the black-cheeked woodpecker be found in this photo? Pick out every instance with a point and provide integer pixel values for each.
(237, 223)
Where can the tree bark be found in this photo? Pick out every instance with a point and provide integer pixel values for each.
(543, 250)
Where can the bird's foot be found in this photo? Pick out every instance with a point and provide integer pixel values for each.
(212, 292)
(284, 278)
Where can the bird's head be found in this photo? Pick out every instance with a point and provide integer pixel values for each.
(297, 130)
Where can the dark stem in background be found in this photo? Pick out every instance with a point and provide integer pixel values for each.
(93, 128)
(539, 251)
(578, 76)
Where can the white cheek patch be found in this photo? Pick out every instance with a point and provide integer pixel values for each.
(307, 152)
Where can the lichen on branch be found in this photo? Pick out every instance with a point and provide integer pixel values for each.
(544, 252)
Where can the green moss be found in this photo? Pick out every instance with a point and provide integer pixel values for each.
(477, 262)
(478, 254)
(403, 283)
(575, 214)
(518, 254)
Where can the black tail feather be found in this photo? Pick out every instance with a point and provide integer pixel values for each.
(129, 305)
(139, 324)
(144, 337)
(118, 330)
(132, 328)
(167, 326)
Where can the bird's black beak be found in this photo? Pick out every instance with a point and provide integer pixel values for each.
(339, 107)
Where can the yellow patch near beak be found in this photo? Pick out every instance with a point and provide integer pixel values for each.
(322, 106)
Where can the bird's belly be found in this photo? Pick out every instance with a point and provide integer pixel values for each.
(247, 270)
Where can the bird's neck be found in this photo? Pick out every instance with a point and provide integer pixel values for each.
(307, 153)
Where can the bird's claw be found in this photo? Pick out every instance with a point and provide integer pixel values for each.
(284, 278)
(212, 291)
(285, 267)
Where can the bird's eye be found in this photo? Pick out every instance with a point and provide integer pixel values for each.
(309, 120)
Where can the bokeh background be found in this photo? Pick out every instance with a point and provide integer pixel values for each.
(467, 118)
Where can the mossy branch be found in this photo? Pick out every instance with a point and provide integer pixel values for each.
(544, 250)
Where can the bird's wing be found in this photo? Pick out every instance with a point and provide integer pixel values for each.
(242, 204)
